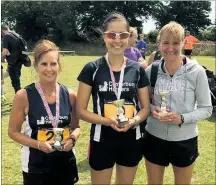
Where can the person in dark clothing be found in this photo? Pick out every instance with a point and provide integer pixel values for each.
(114, 140)
(46, 106)
(11, 53)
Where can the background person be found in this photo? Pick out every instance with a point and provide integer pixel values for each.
(3, 98)
(40, 101)
(142, 45)
(131, 52)
(11, 52)
(189, 41)
(173, 137)
(109, 143)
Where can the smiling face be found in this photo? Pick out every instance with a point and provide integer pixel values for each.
(170, 38)
(170, 47)
(48, 66)
(117, 45)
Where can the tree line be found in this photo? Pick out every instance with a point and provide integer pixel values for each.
(78, 21)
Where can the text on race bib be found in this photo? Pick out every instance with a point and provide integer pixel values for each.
(46, 135)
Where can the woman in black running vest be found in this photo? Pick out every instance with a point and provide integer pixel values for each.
(52, 127)
(119, 89)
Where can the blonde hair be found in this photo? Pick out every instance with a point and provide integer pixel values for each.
(173, 28)
(41, 48)
(132, 30)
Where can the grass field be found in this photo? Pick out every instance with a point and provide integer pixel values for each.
(204, 172)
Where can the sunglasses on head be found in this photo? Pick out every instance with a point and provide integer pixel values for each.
(113, 35)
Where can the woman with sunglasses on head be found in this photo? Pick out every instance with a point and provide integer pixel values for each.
(47, 108)
(172, 133)
(131, 52)
(120, 102)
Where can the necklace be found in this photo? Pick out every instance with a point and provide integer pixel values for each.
(52, 93)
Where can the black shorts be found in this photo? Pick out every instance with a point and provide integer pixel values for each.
(104, 155)
(188, 52)
(162, 152)
(48, 178)
(60, 171)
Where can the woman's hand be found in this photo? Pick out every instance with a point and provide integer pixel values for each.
(46, 146)
(171, 117)
(156, 111)
(125, 126)
(114, 124)
(68, 145)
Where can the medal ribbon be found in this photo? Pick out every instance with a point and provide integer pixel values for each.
(51, 118)
(117, 93)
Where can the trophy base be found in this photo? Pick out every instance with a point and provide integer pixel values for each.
(122, 121)
(58, 146)
(163, 113)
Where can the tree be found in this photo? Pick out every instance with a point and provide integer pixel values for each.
(92, 14)
(208, 34)
(41, 20)
(65, 21)
(152, 36)
(192, 15)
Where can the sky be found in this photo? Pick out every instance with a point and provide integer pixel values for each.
(150, 24)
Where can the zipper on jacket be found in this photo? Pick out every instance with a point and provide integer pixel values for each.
(167, 127)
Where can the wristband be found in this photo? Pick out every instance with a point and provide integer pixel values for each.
(38, 145)
(72, 137)
(135, 121)
(182, 120)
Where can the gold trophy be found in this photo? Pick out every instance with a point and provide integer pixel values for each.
(58, 132)
(163, 107)
(120, 111)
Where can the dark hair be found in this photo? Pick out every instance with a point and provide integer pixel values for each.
(4, 27)
(114, 16)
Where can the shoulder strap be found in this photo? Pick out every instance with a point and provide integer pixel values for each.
(14, 34)
(153, 79)
(154, 72)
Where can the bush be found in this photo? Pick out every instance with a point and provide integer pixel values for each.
(98, 48)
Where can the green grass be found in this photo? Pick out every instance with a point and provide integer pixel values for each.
(204, 172)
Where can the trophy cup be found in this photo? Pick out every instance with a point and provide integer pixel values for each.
(58, 132)
(120, 112)
(163, 107)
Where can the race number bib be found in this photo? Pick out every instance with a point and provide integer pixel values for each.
(110, 110)
(48, 134)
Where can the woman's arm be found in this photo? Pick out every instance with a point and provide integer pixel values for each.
(83, 96)
(203, 98)
(70, 142)
(151, 57)
(74, 119)
(17, 116)
(144, 111)
(144, 103)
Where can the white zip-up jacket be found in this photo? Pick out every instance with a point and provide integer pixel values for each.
(187, 87)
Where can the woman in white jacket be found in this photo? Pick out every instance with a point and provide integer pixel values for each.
(172, 137)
